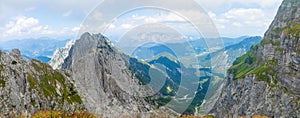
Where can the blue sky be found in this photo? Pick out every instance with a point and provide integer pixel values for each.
(63, 19)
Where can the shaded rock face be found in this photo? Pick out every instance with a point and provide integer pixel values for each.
(29, 86)
(266, 80)
(102, 76)
(248, 97)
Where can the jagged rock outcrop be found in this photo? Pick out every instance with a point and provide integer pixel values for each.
(265, 81)
(29, 86)
(103, 77)
(60, 55)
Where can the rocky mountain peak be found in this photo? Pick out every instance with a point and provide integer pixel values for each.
(265, 80)
(30, 86)
(104, 78)
(16, 53)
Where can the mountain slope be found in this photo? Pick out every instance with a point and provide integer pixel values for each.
(30, 86)
(104, 79)
(265, 81)
(186, 86)
(183, 48)
(60, 55)
(231, 52)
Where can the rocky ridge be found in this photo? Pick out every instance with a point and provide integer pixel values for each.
(265, 80)
(29, 86)
(104, 79)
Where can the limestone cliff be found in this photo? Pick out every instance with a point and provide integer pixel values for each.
(30, 86)
(265, 81)
(104, 79)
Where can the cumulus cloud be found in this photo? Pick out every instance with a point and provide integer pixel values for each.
(244, 14)
(156, 18)
(247, 17)
(227, 4)
(75, 29)
(128, 22)
(227, 14)
(244, 21)
(25, 27)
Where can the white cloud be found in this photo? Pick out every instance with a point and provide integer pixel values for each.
(112, 26)
(227, 4)
(212, 15)
(244, 14)
(75, 29)
(243, 21)
(27, 27)
(22, 25)
(163, 17)
(247, 17)
(237, 24)
(262, 3)
(127, 26)
(225, 13)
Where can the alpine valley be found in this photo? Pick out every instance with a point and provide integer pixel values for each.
(90, 75)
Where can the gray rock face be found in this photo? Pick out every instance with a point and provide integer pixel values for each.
(271, 88)
(102, 76)
(29, 86)
(249, 97)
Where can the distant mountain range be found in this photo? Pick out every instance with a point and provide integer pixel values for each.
(179, 49)
(231, 52)
(41, 49)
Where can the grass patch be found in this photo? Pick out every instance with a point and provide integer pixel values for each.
(250, 64)
(2, 83)
(47, 82)
(279, 49)
(276, 43)
(294, 29)
(243, 65)
(32, 82)
(60, 114)
(277, 30)
(1, 68)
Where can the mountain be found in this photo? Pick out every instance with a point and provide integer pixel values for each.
(60, 55)
(230, 52)
(165, 60)
(30, 86)
(182, 49)
(104, 79)
(95, 77)
(41, 49)
(265, 81)
(149, 50)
